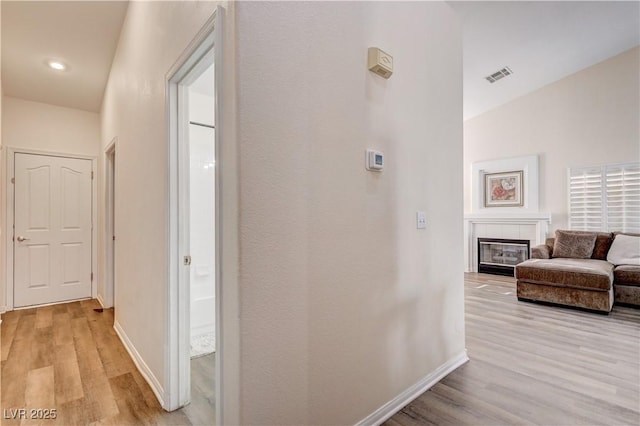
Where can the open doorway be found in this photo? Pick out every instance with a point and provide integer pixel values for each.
(194, 223)
(200, 145)
(196, 235)
(110, 225)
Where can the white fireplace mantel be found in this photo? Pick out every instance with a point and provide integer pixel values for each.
(524, 226)
(508, 217)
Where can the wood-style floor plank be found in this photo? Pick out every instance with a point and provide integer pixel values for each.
(535, 364)
(68, 383)
(63, 335)
(42, 348)
(68, 357)
(44, 317)
(39, 395)
(8, 332)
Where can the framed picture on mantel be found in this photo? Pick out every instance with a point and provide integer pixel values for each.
(503, 189)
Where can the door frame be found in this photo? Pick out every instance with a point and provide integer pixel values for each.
(178, 319)
(109, 225)
(10, 191)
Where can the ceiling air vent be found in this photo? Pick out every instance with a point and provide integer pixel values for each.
(499, 74)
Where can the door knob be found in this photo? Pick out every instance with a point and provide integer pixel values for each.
(21, 239)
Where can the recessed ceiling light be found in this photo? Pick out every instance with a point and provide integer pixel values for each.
(57, 65)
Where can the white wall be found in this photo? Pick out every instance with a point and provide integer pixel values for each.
(339, 297)
(589, 118)
(3, 259)
(43, 127)
(153, 37)
(344, 303)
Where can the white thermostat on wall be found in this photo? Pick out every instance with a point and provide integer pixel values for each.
(375, 160)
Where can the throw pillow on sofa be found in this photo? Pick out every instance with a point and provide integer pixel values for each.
(573, 245)
(625, 250)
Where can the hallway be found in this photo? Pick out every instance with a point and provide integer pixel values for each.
(68, 357)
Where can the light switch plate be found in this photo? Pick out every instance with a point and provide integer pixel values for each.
(421, 220)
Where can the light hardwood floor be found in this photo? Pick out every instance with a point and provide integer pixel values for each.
(533, 364)
(67, 357)
(530, 364)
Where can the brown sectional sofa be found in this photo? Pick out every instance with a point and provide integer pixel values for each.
(588, 283)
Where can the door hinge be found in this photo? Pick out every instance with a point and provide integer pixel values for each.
(91, 175)
(13, 180)
(113, 238)
(92, 276)
(187, 260)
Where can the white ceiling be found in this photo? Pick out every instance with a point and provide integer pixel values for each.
(82, 34)
(541, 42)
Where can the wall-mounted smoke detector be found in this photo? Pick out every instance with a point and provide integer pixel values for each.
(499, 75)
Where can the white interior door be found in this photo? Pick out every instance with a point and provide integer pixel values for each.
(52, 237)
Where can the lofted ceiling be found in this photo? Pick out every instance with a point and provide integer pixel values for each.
(81, 34)
(541, 42)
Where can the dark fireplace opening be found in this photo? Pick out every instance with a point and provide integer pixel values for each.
(500, 256)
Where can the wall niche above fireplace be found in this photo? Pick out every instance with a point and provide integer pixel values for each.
(524, 173)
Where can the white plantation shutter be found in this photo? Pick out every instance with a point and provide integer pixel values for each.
(585, 199)
(623, 197)
(605, 198)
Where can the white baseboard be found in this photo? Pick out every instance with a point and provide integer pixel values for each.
(3, 309)
(396, 404)
(143, 368)
(100, 301)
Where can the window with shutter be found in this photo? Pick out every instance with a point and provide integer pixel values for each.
(585, 199)
(605, 198)
(623, 197)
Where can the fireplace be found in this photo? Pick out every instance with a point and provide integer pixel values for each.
(500, 256)
(529, 226)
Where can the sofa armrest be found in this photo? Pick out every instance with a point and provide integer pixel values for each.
(541, 252)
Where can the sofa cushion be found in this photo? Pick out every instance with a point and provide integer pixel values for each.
(627, 275)
(602, 245)
(590, 274)
(600, 248)
(592, 300)
(574, 245)
(541, 252)
(626, 295)
(626, 233)
(625, 250)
